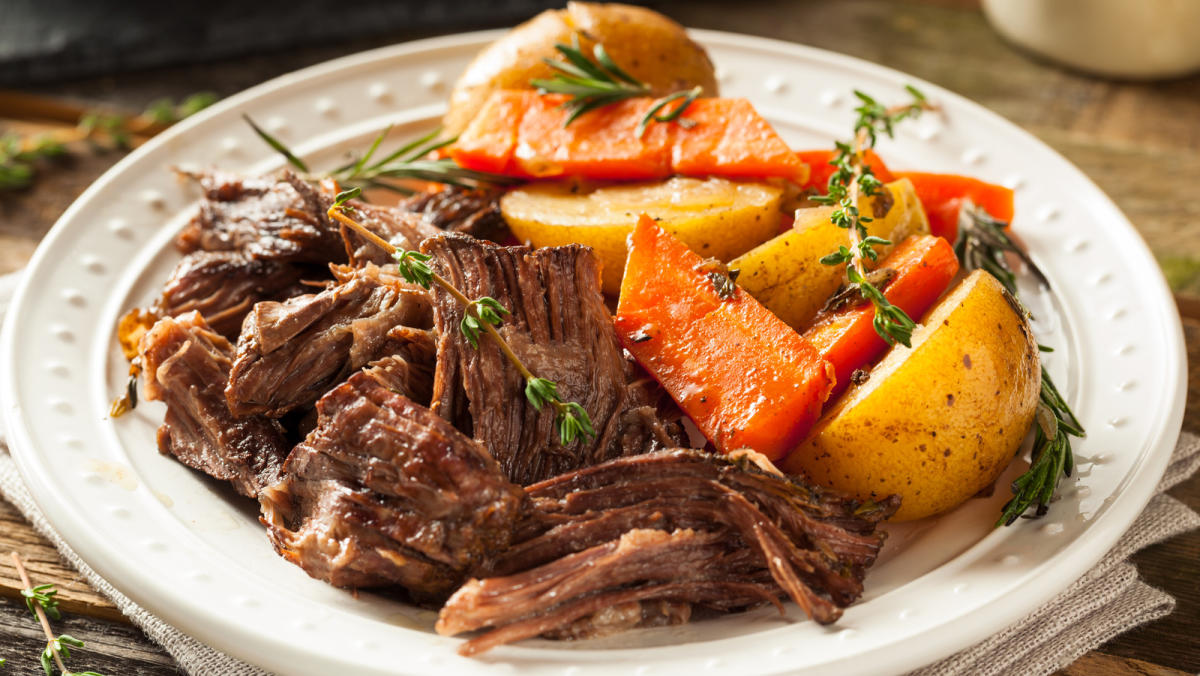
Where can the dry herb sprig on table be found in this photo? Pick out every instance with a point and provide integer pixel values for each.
(480, 314)
(411, 161)
(983, 245)
(21, 155)
(593, 84)
(43, 604)
(854, 179)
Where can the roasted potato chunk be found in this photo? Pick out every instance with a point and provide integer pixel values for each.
(937, 423)
(646, 44)
(786, 274)
(715, 217)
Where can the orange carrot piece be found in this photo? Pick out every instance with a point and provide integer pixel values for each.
(489, 142)
(743, 376)
(924, 266)
(523, 133)
(820, 169)
(942, 195)
(601, 144)
(730, 138)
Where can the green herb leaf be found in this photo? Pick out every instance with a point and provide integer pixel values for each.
(540, 392)
(346, 196)
(277, 145)
(414, 267)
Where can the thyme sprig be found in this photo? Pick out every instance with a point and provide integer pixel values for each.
(479, 315)
(412, 161)
(43, 604)
(599, 82)
(982, 244)
(852, 180)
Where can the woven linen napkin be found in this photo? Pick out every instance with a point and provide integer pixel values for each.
(1105, 602)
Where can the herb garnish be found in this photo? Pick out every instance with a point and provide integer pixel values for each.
(852, 180)
(595, 84)
(410, 161)
(982, 245)
(481, 314)
(21, 155)
(43, 604)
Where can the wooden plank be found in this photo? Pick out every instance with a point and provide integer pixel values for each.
(1100, 664)
(45, 566)
(110, 647)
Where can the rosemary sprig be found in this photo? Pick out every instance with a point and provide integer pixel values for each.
(411, 161)
(42, 604)
(20, 156)
(983, 245)
(852, 180)
(598, 82)
(479, 314)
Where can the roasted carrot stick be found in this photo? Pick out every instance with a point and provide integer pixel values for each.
(924, 266)
(743, 376)
(820, 169)
(522, 133)
(942, 195)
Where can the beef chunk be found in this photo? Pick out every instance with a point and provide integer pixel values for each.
(186, 364)
(454, 209)
(601, 546)
(384, 492)
(403, 229)
(223, 285)
(291, 353)
(408, 368)
(276, 219)
(560, 329)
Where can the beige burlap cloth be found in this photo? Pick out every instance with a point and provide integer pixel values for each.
(1108, 600)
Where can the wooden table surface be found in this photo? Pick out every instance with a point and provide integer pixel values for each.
(1139, 142)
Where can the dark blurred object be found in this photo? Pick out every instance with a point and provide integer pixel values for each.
(44, 40)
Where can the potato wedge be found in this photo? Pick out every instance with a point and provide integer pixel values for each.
(938, 422)
(785, 273)
(648, 45)
(715, 217)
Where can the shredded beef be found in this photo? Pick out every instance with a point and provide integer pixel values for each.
(223, 286)
(186, 364)
(677, 527)
(408, 368)
(454, 209)
(280, 219)
(384, 492)
(560, 329)
(398, 226)
(291, 353)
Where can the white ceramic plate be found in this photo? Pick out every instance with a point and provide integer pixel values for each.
(191, 552)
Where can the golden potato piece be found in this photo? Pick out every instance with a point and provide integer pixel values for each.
(716, 217)
(938, 422)
(646, 44)
(786, 274)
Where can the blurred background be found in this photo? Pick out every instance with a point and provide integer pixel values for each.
(1140, 140)
(1111, 84)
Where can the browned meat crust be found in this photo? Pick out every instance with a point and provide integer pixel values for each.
(223, 286)
(384, 492)
(186, 365)
(453, 209)
(277, 219)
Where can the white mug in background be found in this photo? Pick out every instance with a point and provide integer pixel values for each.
(1135, 39)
